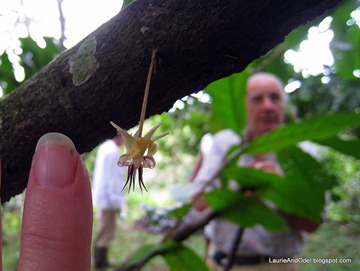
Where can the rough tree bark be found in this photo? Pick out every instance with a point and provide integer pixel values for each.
(103, 77)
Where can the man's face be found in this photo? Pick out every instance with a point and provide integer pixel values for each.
(264, 106)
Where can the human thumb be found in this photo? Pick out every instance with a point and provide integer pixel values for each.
(57, 218)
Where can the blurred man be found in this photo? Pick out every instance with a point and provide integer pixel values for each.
(264, 112)
(108, 181)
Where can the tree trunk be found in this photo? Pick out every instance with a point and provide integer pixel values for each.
(102, 79)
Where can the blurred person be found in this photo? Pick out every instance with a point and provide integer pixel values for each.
(108, 182)
(265, 101)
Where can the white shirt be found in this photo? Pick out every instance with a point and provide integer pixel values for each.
(108, 178)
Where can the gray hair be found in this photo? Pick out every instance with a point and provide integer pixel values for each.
(268, 76)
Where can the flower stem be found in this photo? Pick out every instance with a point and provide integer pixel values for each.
(146, 94)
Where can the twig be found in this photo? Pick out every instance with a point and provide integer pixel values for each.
(62, 22)
(235, 245)
(146, 94)
(182, 232)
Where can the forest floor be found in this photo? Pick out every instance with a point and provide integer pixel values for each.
(333, 242)
(326, 248)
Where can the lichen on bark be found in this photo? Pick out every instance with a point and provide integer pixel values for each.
(84, 64)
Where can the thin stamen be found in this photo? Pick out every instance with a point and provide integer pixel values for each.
(127, 179)
(141, 183)
(133, 178)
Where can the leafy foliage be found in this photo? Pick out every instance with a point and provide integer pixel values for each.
(179, 257)
(311, 129)
(345, 44)
(345, 204)
(300, 191)
(187, 124)
(306, 183)
(243, 210)
(228, 106)
(31, 59)
(348, 147)
(342, 90)
(7, 79)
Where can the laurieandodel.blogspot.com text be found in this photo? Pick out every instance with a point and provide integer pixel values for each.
(310, 260)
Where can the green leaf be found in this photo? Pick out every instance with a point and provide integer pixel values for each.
(345, 44)
(33, 57)
(180, 211)
(311, 129)
(177, 256)
(348, 147)
(7, 80)
(248, 177)
(243, 210)
(228, 95)
(302, 192)
(144, 253)
(181, 258)
(126, 3)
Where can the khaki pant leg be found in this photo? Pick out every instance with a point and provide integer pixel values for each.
(106, 228)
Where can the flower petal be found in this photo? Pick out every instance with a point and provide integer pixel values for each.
(160, 136)
(134, 153)
(129, 140)
(149, 134)
(124, 160)
(141, 145)
(148, 162)
(152, 148)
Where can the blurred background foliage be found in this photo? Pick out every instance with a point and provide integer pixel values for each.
(332, 85)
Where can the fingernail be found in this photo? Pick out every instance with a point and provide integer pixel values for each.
(55, 161)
